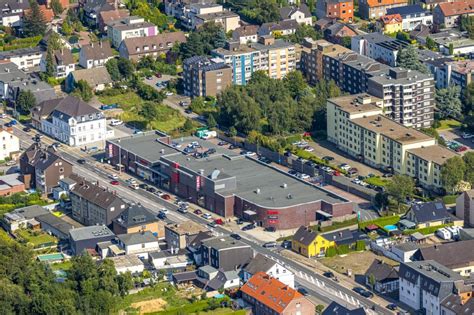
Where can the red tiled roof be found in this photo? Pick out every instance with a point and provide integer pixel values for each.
(392, 19)
(270, 291)
(380, 3)
(457, 8)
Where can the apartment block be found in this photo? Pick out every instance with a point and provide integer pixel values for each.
(408, 96)
(357, 125)
(205, 77)
(374, 9)
(9, 144)
(336, 9)
(378, 46)
(129, 27)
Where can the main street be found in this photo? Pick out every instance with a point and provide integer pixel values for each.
(317, 285)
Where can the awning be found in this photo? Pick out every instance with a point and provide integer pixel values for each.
(407, 223)
(324, 214)
(371, 227)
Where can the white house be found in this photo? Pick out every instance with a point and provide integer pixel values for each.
(129, 27)
(425, 284)
(63, 63)
(166, 260)
(270, 267)
(24, 58)
(378, 46)
(213, 279)
(140, 243)
(301, 14)
(412, 16)
(246, 34)
(95, 55)
(9, 143)
(128, 263)
(70, 120)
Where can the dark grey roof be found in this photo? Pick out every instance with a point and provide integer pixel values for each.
(63, 57)
(223, 242)
(90, 232)
(259, 263)
(407, 10)
(30, 212)
(93, 76)
(382, 272)
(219, 280)
(185, 276)
(435, 278)
(72, 106)
(100, 51)
(267, 28)
(160, 254)
(45, 159)
(345, 236)
(57, 223)
(97, 195)
(137, 238)
(407, 247)
(285, 12)
(453, 303)
(429, 211)
(337, 309)
(20, 52)
(452, 255)
(196, 240)
(304, 235)
(135, 215)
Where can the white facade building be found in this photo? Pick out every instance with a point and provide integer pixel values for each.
(140, 243)
(271, 268)
(129, 27)
(24, 58)
(9, 143)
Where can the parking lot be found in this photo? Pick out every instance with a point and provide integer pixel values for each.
(455, 141)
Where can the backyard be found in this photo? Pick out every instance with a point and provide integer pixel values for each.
(166, 119)
(446, 124)
(357, 262)
(36, 238)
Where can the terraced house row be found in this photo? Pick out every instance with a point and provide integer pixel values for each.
(358, 126)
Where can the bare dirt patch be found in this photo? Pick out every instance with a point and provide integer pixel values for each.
(358, 262)
(150, 306)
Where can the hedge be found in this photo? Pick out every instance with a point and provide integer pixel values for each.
(381, 222)
(426, 230)
(450, 199)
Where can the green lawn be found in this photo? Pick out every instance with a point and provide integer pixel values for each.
(65, 265)
(450, 199)
(163, 290)
(127, 101)
(449, 124)
(37, 238)
(377, 181)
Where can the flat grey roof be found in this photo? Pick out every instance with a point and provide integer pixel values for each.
(223, 242)
(90, 232)
(145, 145)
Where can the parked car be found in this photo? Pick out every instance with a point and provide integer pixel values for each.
(221, 143)
(219, 221)
(212, 224)
(151, 189)
(270, 245)
(292, 172)
(467, 135)
(353, 171)
(113, 176)
(169, 93)
(164, 210)
(116, 122)
(166, 197)
(392, 307)
(115, 182)
(134, 186)
(270, 229)
(345, 167)
(197, 211)
(13, 122)
(329, 274)
(236, 236)
(461, 149)
(161, 215)
(3, 115)
(81, 161)
(182, 210)
(158, 75)
(131, 181)
(303, 176)
(27, 129)
(309, 149)
(363, 292)
(207, 216)
(303, 291)
(143, 186)
(328, 158)
(57, 144)
(286, 244)
(248, 227)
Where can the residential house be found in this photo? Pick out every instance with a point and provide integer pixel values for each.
(246, 34)
(465, 207)
(95, 205)
(136, 218)
(189, 12)
(165, 260)
(337, 309)
(430, 4)
(86, 238)
(448, 14)
(268, 295)
(458, 303)
(212, 279)
(63, 63)
(429, 214)
(282, 28)
(390, 23)
(378, 46)
(106, 17)
(309, 243)
(412, 16)
(93, 8)
(42, 169)
(269, 266)
(458, 73)
(57, 226)
(9, 144)
(179, 235)
(20, 218)
(300, 13)
(95, 55)
(405, 251)
(425, 284)
(11, 184)
(342, 10)
(136, 47)
(382, 277)
(12, 12)
(457, 256)
(98, 79)
(23, 58)
(129, 27)
(225, 253)
(357, 120)
(203, 76)
(339, 33)
(374, 9)
(128, 263)
(70, 120)
(139, 243)
(227, 19)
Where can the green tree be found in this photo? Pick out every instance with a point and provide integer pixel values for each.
(408, 58)
(211, 121)
(381, 200)
(303, 31)
(372, 281)
(66, 28)
(434, 133)
(451, 49)
(54, 42)
(318, 309)
(49, 64)
(188, 125)
(452, 173)
(113, 69)
(57, 7)
(346, 41)
(149, 110)
(331, 251)
(34, 23)
(468, 159)
(295, 83)
(448, 102)
(125, 67)
(469, 98)
(26, 100)
(431, 44)
(83, 91)
(400, 188)
(232, 131)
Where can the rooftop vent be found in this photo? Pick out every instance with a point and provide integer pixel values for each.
(257, 191)
(284, 186)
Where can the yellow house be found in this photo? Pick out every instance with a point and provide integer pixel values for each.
(391, 23)
(309, 243)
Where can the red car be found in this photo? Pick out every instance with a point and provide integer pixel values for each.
(115, 182)
(197, 211)
(219, 221)
(166, 197)
(158, 75)
(461, 149)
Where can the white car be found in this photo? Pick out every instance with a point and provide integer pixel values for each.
(207, 216)
(169, 93)
(114, 176)
(466, 135)
(250, 153)
(345, 167)
(309, 149)
(3, 115)
(304, 176)
(164, 210)
(115, 122)
(131, 181)
(356, 181)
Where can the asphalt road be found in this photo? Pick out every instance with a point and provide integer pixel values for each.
(317, 285)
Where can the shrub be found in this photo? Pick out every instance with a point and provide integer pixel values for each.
(331, 252)
(343, 249)
(360, 246)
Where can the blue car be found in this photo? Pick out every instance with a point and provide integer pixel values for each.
(13, 122)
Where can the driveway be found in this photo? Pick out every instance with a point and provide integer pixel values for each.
(455, 135)
(325, 148)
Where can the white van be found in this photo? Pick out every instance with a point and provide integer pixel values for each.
(443, 234)
(134, 186)
(115, 122)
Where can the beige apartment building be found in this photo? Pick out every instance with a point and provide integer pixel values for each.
(357, 125)
(277, 57)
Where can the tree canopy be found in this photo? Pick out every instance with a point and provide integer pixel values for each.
(452, 173)
(34, 23)
(26, 101)
(83, 91)
(448, 102)
(257, 11)
(208, 37)
(400, 188)
(408, 58)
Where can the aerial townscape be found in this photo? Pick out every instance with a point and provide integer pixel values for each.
(237, 157)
